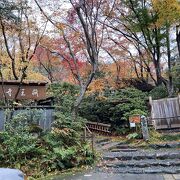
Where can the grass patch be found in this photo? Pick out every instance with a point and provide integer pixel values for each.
(156, 137)
(167, 137)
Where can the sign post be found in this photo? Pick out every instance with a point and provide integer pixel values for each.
(144, 126)
(134, 121)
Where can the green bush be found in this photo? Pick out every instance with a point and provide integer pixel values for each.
(159, 92)
(176, 77)
(114, 108)
(37, 154)
(133, 136)
(121, 131)
(64, 96)
(17, 142)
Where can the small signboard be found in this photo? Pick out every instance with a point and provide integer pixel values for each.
(26, 90)
(133, 120)
(132, 124)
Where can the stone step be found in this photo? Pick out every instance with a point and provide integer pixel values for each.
(172, 145)
(165, 145)
(123, 146)
(144, 163)
(139, 155)
(124, 150)
(107, 146)
(145, 170)
(102, 141)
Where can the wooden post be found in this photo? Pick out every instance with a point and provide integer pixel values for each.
(144, 127)
(84, 133)
(150, 100)
(92, 141)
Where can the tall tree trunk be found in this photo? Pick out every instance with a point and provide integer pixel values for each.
(141, 67)
(158, 72)
(78, 102)
(156, 58)
(170, 82)
(178, 40)
(83, 88)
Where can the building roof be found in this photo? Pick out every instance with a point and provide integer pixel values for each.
(25, 82)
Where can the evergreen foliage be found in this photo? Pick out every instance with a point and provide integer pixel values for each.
(176, 77)
(114, 107)
(38, 153)
(159, 92)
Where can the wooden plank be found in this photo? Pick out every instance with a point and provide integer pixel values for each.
(25, 82)
(96, 123)
(27, 107)
(98, 127)
(165, 113)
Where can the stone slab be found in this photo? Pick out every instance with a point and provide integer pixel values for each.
(168, 177)
(176, 176)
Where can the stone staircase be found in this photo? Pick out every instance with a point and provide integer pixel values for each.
(122, 158)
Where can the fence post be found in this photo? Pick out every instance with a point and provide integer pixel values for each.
(84, 134)
(92, 135)
(144, 127)
(150, 100)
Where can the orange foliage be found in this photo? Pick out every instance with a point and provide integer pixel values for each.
(109, 76)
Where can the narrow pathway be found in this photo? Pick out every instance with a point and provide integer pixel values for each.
(118, 158)
(123, 162)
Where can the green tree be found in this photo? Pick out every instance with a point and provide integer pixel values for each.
(139, 23)
(168, 13)
(176, 77)
(136, 21)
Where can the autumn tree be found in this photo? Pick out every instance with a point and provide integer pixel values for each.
(49, 64)
(20, 39)
(112, 46)
(137, 21)
(168, 12)
(120, 51)
(134, 24)
(83, 19)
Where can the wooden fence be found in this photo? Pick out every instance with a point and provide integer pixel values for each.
(99, 127)
(41, 115)
(165, 113)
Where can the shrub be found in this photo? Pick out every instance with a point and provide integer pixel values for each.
(64, 96)
(134, 136)
(176, 77)
(37, 154)
(121, 131)
(18, 143)
(115, 108)
(159, 92)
